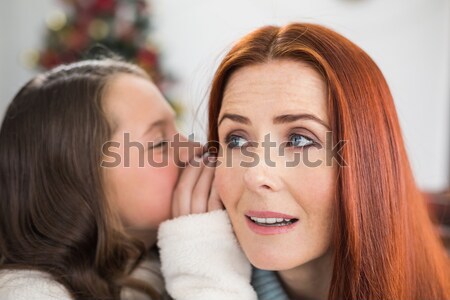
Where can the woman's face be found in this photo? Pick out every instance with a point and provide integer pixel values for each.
(142, 123)
(282, 106)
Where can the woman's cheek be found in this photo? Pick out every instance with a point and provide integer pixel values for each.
(223, 183)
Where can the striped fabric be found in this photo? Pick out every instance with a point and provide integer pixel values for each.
(267, 285)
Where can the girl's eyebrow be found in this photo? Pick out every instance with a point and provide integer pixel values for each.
(158, 124)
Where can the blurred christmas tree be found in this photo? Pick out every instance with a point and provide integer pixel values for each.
(122, 26)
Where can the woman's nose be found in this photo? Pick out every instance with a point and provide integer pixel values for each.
(263, 177)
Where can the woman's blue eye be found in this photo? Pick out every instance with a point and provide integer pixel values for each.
(297, 140)
(235, 141)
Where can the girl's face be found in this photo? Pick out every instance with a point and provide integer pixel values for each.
(272, 131)
(142, 123)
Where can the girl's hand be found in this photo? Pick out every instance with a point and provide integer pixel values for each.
(195, 192)
(194, 237)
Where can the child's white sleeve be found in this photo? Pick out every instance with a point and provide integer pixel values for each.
(201, 259)
(30, 284)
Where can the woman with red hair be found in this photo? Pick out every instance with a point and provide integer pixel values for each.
(313, 172)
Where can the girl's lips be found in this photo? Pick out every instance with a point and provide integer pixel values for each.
(270, 228)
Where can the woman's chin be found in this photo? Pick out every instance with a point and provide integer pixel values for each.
(271, 260)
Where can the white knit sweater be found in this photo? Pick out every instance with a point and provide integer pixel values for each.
(200, 259)
(27, 284)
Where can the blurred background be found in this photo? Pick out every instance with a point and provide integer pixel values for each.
(181, 42)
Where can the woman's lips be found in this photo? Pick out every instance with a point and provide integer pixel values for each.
(268, 222)
(267, 214)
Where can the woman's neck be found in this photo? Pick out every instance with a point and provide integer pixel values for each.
(310, 281)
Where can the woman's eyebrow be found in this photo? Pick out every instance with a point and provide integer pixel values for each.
(283, 119)
(236, 118)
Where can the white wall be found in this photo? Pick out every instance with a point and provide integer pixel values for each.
(409, 39)
(21, 28)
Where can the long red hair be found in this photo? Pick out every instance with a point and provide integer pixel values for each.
(384, 241)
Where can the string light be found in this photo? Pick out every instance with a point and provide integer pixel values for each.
(56, 20)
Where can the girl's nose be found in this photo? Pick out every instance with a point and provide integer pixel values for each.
(185, 149)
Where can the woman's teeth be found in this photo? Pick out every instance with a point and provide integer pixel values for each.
(272, 221)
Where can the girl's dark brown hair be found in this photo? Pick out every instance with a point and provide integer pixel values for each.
(54, 214)
(385, 246)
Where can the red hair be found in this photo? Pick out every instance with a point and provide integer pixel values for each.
(385, 245)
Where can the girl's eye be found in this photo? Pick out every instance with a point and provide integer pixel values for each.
(235, 141)
(297, 140)
(161, 144)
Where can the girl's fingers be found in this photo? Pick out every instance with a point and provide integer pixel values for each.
(185, 187)
(175, 207)
(214, 202)
(200, 194)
